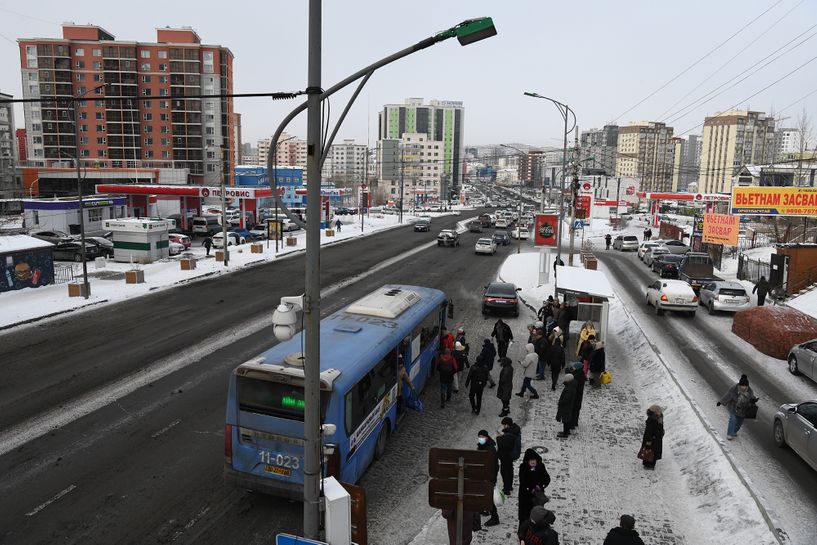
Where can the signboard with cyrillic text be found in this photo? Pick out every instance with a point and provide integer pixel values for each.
(721, 229)
(546, 230)
(774, 201)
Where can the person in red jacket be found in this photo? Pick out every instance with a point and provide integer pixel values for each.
(447, 368)
(446, 341)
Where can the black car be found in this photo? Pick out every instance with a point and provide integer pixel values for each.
(54, 237)
(500, 297)
(72, 251)
(103, 245)
(666, 265)
(422, 226)
(448, 237)
(501, 238)
(342, 211)
(475, 227)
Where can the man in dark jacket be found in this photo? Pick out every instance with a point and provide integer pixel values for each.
(503, 335)
(608, 239)
(598, 364)
(487, 355)
(580, 379)
(624, 533)
(207, 243)
(540, 346)
(564, 413)
(447, 368)
(484, 442)
(762, 289)
(476, 380)
(508, 445)
(556, 361)
(505, 388)
(537, 530)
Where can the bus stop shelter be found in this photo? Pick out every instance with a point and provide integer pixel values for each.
(591, 289)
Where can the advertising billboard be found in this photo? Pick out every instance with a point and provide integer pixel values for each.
(547, 230)
(774, 201)
(721, 229)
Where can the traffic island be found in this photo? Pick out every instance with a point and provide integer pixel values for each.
(77, 289)
(136, 276)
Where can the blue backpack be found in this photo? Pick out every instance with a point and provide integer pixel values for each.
(517, 447)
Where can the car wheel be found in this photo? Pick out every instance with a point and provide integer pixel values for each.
(439, 244)
(710, 308)
(658, 311)
(380, 446)
(793, 365)
(778, 434)
(484, 311)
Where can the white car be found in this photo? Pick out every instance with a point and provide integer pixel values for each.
(233, 239)
(650, 256)
(724, 296)
(485, 246)
(675, 295)
(175, 248)
(521, 233)
(645, 247)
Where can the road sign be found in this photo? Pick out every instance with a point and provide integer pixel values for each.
(443, 463)
(578, 224)
(477, 495)
(288, 539)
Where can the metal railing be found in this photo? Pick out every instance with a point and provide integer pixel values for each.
(63, 274)
(752, 269)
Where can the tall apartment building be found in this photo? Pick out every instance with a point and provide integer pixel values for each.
(730, 140)
(531, 169)
(439, 120)
(686, 162)
(601, 145)
(153, 125)
(345, 165)
(290, 151)
(8, 179)
(786, 141)
(414, 161)
(21, 145)
(645, 150)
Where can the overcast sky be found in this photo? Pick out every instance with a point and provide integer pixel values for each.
(599, 56)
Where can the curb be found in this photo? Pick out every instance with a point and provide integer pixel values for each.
(38, 318)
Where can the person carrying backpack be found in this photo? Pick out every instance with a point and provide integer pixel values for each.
(447, 368)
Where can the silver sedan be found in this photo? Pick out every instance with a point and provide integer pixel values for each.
(795, 425)
(803, 359)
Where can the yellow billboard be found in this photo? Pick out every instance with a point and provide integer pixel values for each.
(721, 229)
(774, 201)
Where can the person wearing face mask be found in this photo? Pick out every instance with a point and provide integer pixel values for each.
(533, 479)
(738, 400)
(484, 442)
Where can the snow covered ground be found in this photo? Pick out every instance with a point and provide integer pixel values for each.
(695, 495)
(108, 283)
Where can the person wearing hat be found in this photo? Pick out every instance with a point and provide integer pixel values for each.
(447, 369)
(564, 413)
(484, 442)
(460, 338)
(528, 364)
(624, 533)
(476, 380)
(537, 529)
(505, 387)
(487, 356)
(653, 435)
(738, 400)
(546, 309)
(555, 358)
(508, 450)
(598, 363)
(533, 480)
(503, 335)
(462, 363)
(579, 378)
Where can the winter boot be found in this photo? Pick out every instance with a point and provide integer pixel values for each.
(493, 521)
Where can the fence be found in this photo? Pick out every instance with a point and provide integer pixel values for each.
(752, 269)
(63, 273)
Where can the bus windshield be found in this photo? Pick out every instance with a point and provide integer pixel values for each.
(273, 398)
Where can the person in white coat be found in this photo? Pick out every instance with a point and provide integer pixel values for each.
(528, 364)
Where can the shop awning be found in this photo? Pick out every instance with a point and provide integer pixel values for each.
(583, 281)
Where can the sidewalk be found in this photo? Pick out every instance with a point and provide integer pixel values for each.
(693, 497)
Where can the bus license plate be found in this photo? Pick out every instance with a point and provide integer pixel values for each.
(275, 470)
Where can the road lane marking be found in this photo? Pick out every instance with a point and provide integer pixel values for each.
(49, 502)
(166, 428)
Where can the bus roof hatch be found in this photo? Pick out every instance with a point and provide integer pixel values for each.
(387, 302)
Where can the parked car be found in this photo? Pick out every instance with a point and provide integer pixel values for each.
(500, 297)
(502, 223)
(485, 246)
(422, 225)
(184, 240)
(803, 359)
(645, 247)
(674, 295)
(174, 248)
(653, 253)
(259, 231)
(676, 246)
(54, 237)
(724, 296)
(501, 238)
(795, 425)
(233, 239)
(342, 211)
(625, 242)
(448, 237)
(474, 227)
(206, 225)
(72, 251)
(103, 245)
(666, 265)
(246, 234)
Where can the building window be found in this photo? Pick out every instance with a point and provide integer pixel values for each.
(99, 103)
(148, 154)
(80, 77)
(145, 79)
(145, 53)
(96, 52)
(83, 140)
(146, 92)
(163, 117)
(162, 54)
(163, 104)
(80, 64)
(165, 129)
(148, 141)
(162, 68)
(83, 115)
(165, 141)
(147, 117)
(100, 140)
(97, 65)
(145, 66)
(211, 167)
(100, 128)
(86, 153)
(83, 128)
(162, 79)
(94, 214)
(100, 115)
(148, 128)
(163, 92)
(165, 154)
(79, 52)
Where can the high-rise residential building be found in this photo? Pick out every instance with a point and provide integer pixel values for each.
(413, 163)
(388, 164)
(645, 150)
(236, 135)
(439, 120)
(345, 164)
(290, 151)
(601, 145)
(531, 170)
(730, 140)
(8, 153)
(153, 125)
(786, 141)
(686, 161)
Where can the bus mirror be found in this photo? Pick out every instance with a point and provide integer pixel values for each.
(328, 429)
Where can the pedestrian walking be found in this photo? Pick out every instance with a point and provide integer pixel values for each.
(476, 380)
(598, 364)
(338, 225)
(505, 387)
(653, 439)
(556, 361)
(485, 443)
(546, 309)
(447, 368)
(207, 243)
(564, 412)
(503, 335)
(460, 338)
(607, 241)
(528, 364)
(579, 378)
(462, 363)
(487, 355)
(588, 329)
(556, 335)
(540, 346)
(446, 340)
(508, 448)
(624, 533)
(646, 235)
(537, 530)
(762, 289)
(533, 480)
(739, 400)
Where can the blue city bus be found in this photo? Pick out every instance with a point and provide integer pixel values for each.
(360, 344)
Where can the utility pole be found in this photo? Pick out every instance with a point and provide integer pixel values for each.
(574, 189)
(225, 244)
(402, 168)
(618, 189)
(86, 288)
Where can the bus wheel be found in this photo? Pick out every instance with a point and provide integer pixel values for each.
(380, 446)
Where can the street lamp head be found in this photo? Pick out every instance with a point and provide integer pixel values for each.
(470, 31)
(529, 94)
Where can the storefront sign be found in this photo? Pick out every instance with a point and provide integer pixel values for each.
(777, 201)
(721, 229)
(547, 230)
(229, 192)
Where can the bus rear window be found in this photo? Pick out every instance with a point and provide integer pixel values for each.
(272, 398)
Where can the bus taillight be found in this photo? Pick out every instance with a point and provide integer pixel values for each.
(333, 461)
(228, 444)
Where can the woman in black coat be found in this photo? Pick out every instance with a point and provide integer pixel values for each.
(653, 434)
(505, 387)
(533, 477)
(598, 364)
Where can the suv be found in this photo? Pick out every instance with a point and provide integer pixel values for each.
(625, 242)
(206, 225)
(448, 237)
(423, 225)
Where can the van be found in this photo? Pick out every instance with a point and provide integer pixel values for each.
(206, 225)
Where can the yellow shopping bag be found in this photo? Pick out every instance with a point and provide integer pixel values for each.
(606, 377)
